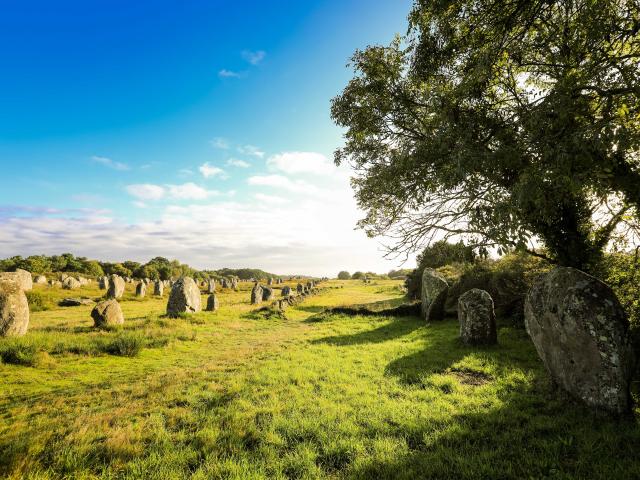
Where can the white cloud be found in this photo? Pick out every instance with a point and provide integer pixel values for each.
(233, 162)
(207, 170)
(308, 235)
(283, 183)
(146, 191)
(224, 73)
(190, 191)
(301, 162)
(185, 191)
(272, 199)
(251, 150)
(139, 204)
(254, 58)
(109, 163)
(185, 172)
(220, 142)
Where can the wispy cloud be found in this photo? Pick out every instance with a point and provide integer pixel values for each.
(109, 163)
(253, 57)
(234, 162)
(224, 73)
(146, 191)
(220, 142)
(251, 150)
(207, 170)
(190, 191)
(186, 191)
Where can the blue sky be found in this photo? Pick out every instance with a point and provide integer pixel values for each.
(196, 130)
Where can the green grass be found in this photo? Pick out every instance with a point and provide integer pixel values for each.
(235, 394)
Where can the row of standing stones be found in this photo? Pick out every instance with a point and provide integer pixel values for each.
(184, 297)
(576, 323)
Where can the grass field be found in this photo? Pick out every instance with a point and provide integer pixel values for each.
(234, 394)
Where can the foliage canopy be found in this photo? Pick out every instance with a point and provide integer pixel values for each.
(501, 122)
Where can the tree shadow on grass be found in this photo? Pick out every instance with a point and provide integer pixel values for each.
(533, 433)
(389, 331)
(310, 308)
(524, 429)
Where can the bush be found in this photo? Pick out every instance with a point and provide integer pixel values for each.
(507, 280)
(437, 255)
(621, 271)
(38, 302)
(126, 344)
(344, 275)
(19, 353)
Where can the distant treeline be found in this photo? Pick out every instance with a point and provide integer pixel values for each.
(157, 268)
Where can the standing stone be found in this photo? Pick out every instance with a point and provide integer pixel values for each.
(70, 283)
(581, 333)
(211, 286)
(40, 280)
(107, 314)
(224, 283)
(434, 294)
(158, 288)
(256, 294)
(141, 290)
(286, 291)
(234, 283)
(270, 281)
(184, 297)
(116, 287)
(103, 283)
(477, 318)
(300, 288)
(267, 294)
(21, 277)
(14, 309)
(212, 303)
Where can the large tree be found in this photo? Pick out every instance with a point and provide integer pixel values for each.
(511, 123)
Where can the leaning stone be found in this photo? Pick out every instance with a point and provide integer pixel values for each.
(184, 297)
(21, 277)
(212, 303)
(116, 287)
(434, 294)
(477, 318)
(107, 314)
(581, 333)
(14, 309)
